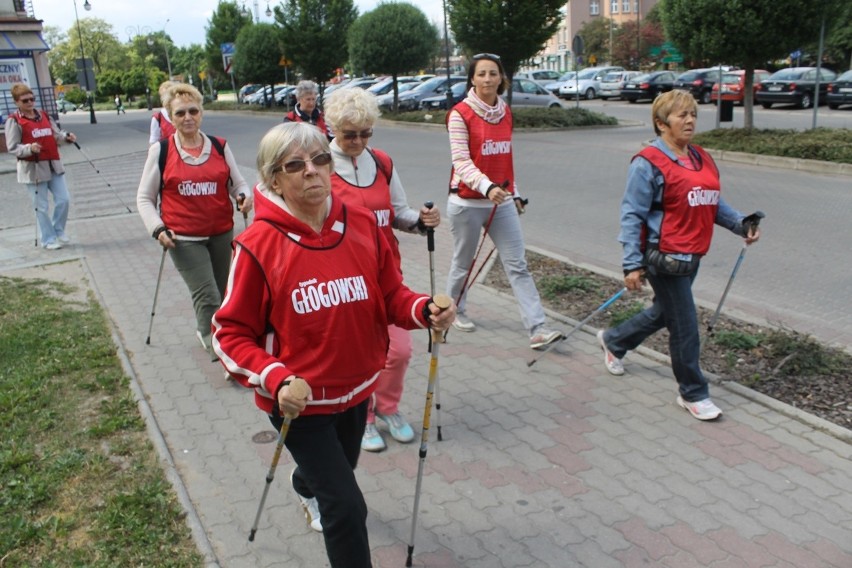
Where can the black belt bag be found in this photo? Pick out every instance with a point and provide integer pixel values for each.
(667, 265)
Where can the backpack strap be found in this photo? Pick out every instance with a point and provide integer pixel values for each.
(383, 163)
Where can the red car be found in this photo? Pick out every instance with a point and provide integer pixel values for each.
(733, 85)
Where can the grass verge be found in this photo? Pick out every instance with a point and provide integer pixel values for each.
(826, 144)
(82, 485)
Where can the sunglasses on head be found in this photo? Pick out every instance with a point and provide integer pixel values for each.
(490, 56)
(365, 134)
(192, 111)
(27, 99)
(295, 166)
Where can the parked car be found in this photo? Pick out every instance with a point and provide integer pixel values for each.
(282, 96)
(362, 82)
(699, 82)
(587, 82)
(385, 86)
(648, 86)
(386, 101)
(733, 85)
(246, 90)
(527, 93)
(794, 85)
(410, 100)
(554, 86)
(614, 81)
(439, 102)
(64, 106)
(840, 91)
(542, 76)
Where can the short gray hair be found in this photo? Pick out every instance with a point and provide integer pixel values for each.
(306, 88)
(284, 139)
(353, 105)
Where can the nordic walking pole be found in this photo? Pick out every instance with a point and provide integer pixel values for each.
(430, 240)
(35, 244)
(91, 163)
(754, 221)
(299, 389)
(442, 301)
(565, 337)
(240, 200)
(156, 292)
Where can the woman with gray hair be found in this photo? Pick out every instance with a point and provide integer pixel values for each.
(312, 290)
(306, 107)
(366, 177)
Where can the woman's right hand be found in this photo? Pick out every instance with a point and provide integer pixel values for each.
(166, 239)
(497, 194)
(292, 399)
(35, 148)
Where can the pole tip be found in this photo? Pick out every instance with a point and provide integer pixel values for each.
(251, 535)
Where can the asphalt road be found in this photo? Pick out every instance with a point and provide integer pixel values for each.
(798, 275)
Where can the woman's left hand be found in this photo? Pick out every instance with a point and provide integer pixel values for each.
(753, 236)
(442, 319)
(70, 137)
(430, 217)
(246, 205)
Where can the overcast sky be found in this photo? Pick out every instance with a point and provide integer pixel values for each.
(184, 21)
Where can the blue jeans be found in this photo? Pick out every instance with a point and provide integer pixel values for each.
(50, 227)
(674, 309)
(466, 224)
(325, 448)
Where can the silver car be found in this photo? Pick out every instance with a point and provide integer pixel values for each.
(614, 81)
(587, 83)
(527, 93)
(564, 78)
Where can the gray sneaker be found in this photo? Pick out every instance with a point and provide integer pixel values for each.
(464, 323)
(544, 337)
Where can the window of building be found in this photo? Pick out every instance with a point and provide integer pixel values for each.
(613, 7)
(595, 7)
(636, 6)
(625, 6)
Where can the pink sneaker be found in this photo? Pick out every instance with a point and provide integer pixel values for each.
(613, 363)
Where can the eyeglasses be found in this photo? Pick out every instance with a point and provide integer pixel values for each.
(350, 136)
(27, 99)
(491, 56)
(192, 111)
(296, 166)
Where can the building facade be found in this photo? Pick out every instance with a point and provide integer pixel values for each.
(23, 56)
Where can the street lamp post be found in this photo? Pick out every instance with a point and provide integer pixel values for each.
(146, 31)
(447, 49)
(166, 42)
(89, 97)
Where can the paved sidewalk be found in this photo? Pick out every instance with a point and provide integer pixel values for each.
(561, 465)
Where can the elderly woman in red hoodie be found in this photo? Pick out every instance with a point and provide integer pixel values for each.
(312, 289)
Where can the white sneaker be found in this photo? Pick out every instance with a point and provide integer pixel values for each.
(309, 506)
(543, 337)
(613, 363)
(463, 323)
(63, 239)
(400, 429)
(53, 245)
(372, 440)
(702, 409)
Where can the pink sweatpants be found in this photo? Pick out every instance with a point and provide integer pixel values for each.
(388, 391)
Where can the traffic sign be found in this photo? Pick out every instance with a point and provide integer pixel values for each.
(284, 62)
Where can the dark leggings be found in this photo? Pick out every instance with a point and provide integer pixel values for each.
(325, 448)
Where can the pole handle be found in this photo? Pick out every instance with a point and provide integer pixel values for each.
(443, 302)
(430, 231)
(299, 388)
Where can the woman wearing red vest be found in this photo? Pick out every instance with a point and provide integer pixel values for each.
(161, 124)
(33, 138)
(672, 200)
(306, 109)
(483, 193)
(366, 177)
(312, 290)
(195, 217)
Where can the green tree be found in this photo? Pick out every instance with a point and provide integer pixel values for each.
(408, 43)
(189, 62)
(595, 34)
(314, 36)
(258, 51)
(633, 54)
(741, 33)
(223, 27)
(514, 29)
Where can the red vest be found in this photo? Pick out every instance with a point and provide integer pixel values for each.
(194, 200)
(294, 116)
(166, 127)
(38, 130)
(375, 197)
(690, 201)
(325, 293)
(490, 149)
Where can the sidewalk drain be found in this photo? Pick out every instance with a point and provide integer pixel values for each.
(265, 437)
